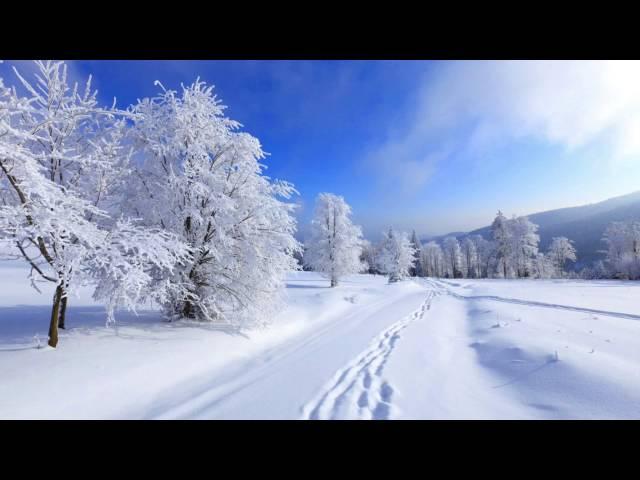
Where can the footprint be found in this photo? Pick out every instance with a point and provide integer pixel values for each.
(386, 391)
(381, 412)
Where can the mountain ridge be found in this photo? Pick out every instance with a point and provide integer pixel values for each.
(584, 224)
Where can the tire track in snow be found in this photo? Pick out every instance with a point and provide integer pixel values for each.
(359, 391)
(533, 303)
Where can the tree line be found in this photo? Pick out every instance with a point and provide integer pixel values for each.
(512, 252)
(336, 247)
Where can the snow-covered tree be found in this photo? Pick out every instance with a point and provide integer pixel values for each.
(594, 272)
(617, 237)
(368, 256)
(453, 257)
(432, 260)
(485, 252)
(600, 270)
(503, 244)
(560, 250)
(542, 266)
(416, 269)
(336, 243)
(470, 258)
(62, 167)
(201, 179)
(126, 268)
(396, 255)
(524, 244)
(623, 249)
(299, 257)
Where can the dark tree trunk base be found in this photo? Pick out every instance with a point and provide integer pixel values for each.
(55, 315)
(187, 310)
(63, 313)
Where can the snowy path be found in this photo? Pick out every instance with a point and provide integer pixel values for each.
(287, 376)
(359, 390)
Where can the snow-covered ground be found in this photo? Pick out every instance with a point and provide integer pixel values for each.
(366, 349)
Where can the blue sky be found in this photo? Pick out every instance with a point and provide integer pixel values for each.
(435, 146)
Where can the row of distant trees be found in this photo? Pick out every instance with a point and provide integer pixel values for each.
(513, 252)
(336, 247)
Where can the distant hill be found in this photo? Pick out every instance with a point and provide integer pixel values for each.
(584, 225)
(439, 238)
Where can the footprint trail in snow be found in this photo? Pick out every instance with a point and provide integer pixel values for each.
(359, 390)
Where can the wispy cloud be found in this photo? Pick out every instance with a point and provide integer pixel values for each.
(471, 107)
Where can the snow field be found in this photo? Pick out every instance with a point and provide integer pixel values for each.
(416, 349)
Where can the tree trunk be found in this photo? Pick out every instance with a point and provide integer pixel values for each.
(334, 282)
(187, 310)
(63, 311)
(55, 314)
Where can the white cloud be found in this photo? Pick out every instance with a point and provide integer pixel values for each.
(400, 162)
(472, 106)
